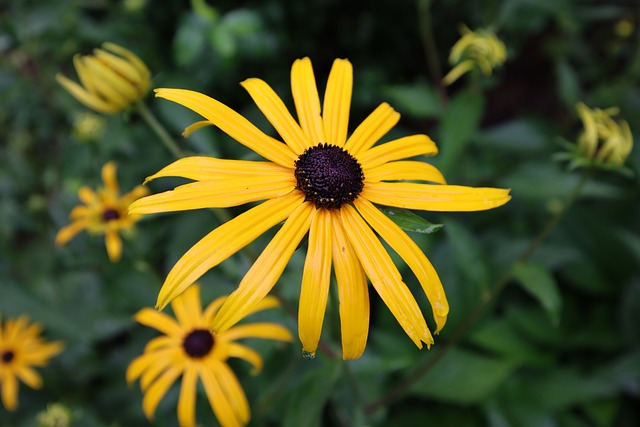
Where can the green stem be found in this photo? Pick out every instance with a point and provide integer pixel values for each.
(157, 127)
(429, 46)
(427, 364)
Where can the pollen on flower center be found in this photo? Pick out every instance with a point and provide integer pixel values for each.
(198, 343)
(328, 176)
(110, 215)
(7, 356)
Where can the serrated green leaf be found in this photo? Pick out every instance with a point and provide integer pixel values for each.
(409, 221)
(537, 280)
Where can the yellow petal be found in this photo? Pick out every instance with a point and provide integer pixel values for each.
(201, 168)
(79, 212)
(109, 177)
(353, 293)
(243, 352)
(133, 59)
(28, 376)
(266, 270)
(195, 126)
(188, 309)
(409, 146)
(305, 96)
(385, 278)
(159, 321)
(119, 88)
(114, 245)
(404, 170)
(161, 362)
(158, 389)
(187, 400)
(221, 193)
(223, 242)
(88, 196)
(374, 127)
(337, 102)
(315, 281)
(161, 343)
(101, 80)
(277, 113)
(412, 255)
(269, 331)
(233, 124)
(232, 389)
(121, 66)
(69, 232)
(218, 401)
(40, 355)
(433, 197)
(88, 99)
(9, 391)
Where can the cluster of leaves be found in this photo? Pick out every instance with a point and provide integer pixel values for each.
(559, 347)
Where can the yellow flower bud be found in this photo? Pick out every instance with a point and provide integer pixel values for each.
(480, 49)
(603, 141)
(112, 79)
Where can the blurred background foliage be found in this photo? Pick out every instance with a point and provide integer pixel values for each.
(559, 347)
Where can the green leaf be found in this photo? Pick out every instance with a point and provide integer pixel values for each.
(464, 377)
(409, 221)
(189, 40)
(418, 100)
(469, 255)
(308, 399)
(537, 280)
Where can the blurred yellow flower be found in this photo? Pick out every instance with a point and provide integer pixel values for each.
(322, 183)
(190, 349)
(603, 141)
(104, 212)
(56, 415)
(22, 348)
(112, 79)
(476, 49)
(88, 127)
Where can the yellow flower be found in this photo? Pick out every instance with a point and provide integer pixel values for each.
(476, 49)
(603, 142)
(189, 349)
(56, 415)
(322, 183)
(21, 348)
(112, 79)
(103, 212)
(89, 127)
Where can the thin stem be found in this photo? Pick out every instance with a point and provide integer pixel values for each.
(157, 127)
(429, 46)
(428, 363)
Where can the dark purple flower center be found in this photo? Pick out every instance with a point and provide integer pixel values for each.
(328, 176)
(110, 215)
(7, 356)
(198, 343)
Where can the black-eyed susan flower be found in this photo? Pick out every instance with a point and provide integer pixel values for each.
(321, 183)
(112, 79)
(22, 348)
(480, 49)
(189, 349)
(104, 212)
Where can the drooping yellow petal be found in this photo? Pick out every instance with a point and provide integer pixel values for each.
(88, 99)
(187, 399)
(10, 391)
(271, 331)
(374, 127)
(232, 389)
(266, 270)
(195, 126)
(120, 88)
(315, 281)
(68, 232)
(188, 309)
(433, 197)
(158, 389)
(221, 193)
(218, 401)
(353, 293)
(277, 113)
(158, 321)
(233, 124)
(200, 168)
(243, 352)
(307, 101)
(403, 148)
(223, 242)
(412, 255)
(385, 278)
(337, 102)
(114, 245)
(404, 170)
(162, 360)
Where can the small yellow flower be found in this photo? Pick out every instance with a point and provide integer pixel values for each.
(56, 415)
(190, 349)
(113, 78)
(323, 183)
(476, 49)
(104, 212)
(603, 142)
(88, 127)
(21, 348)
